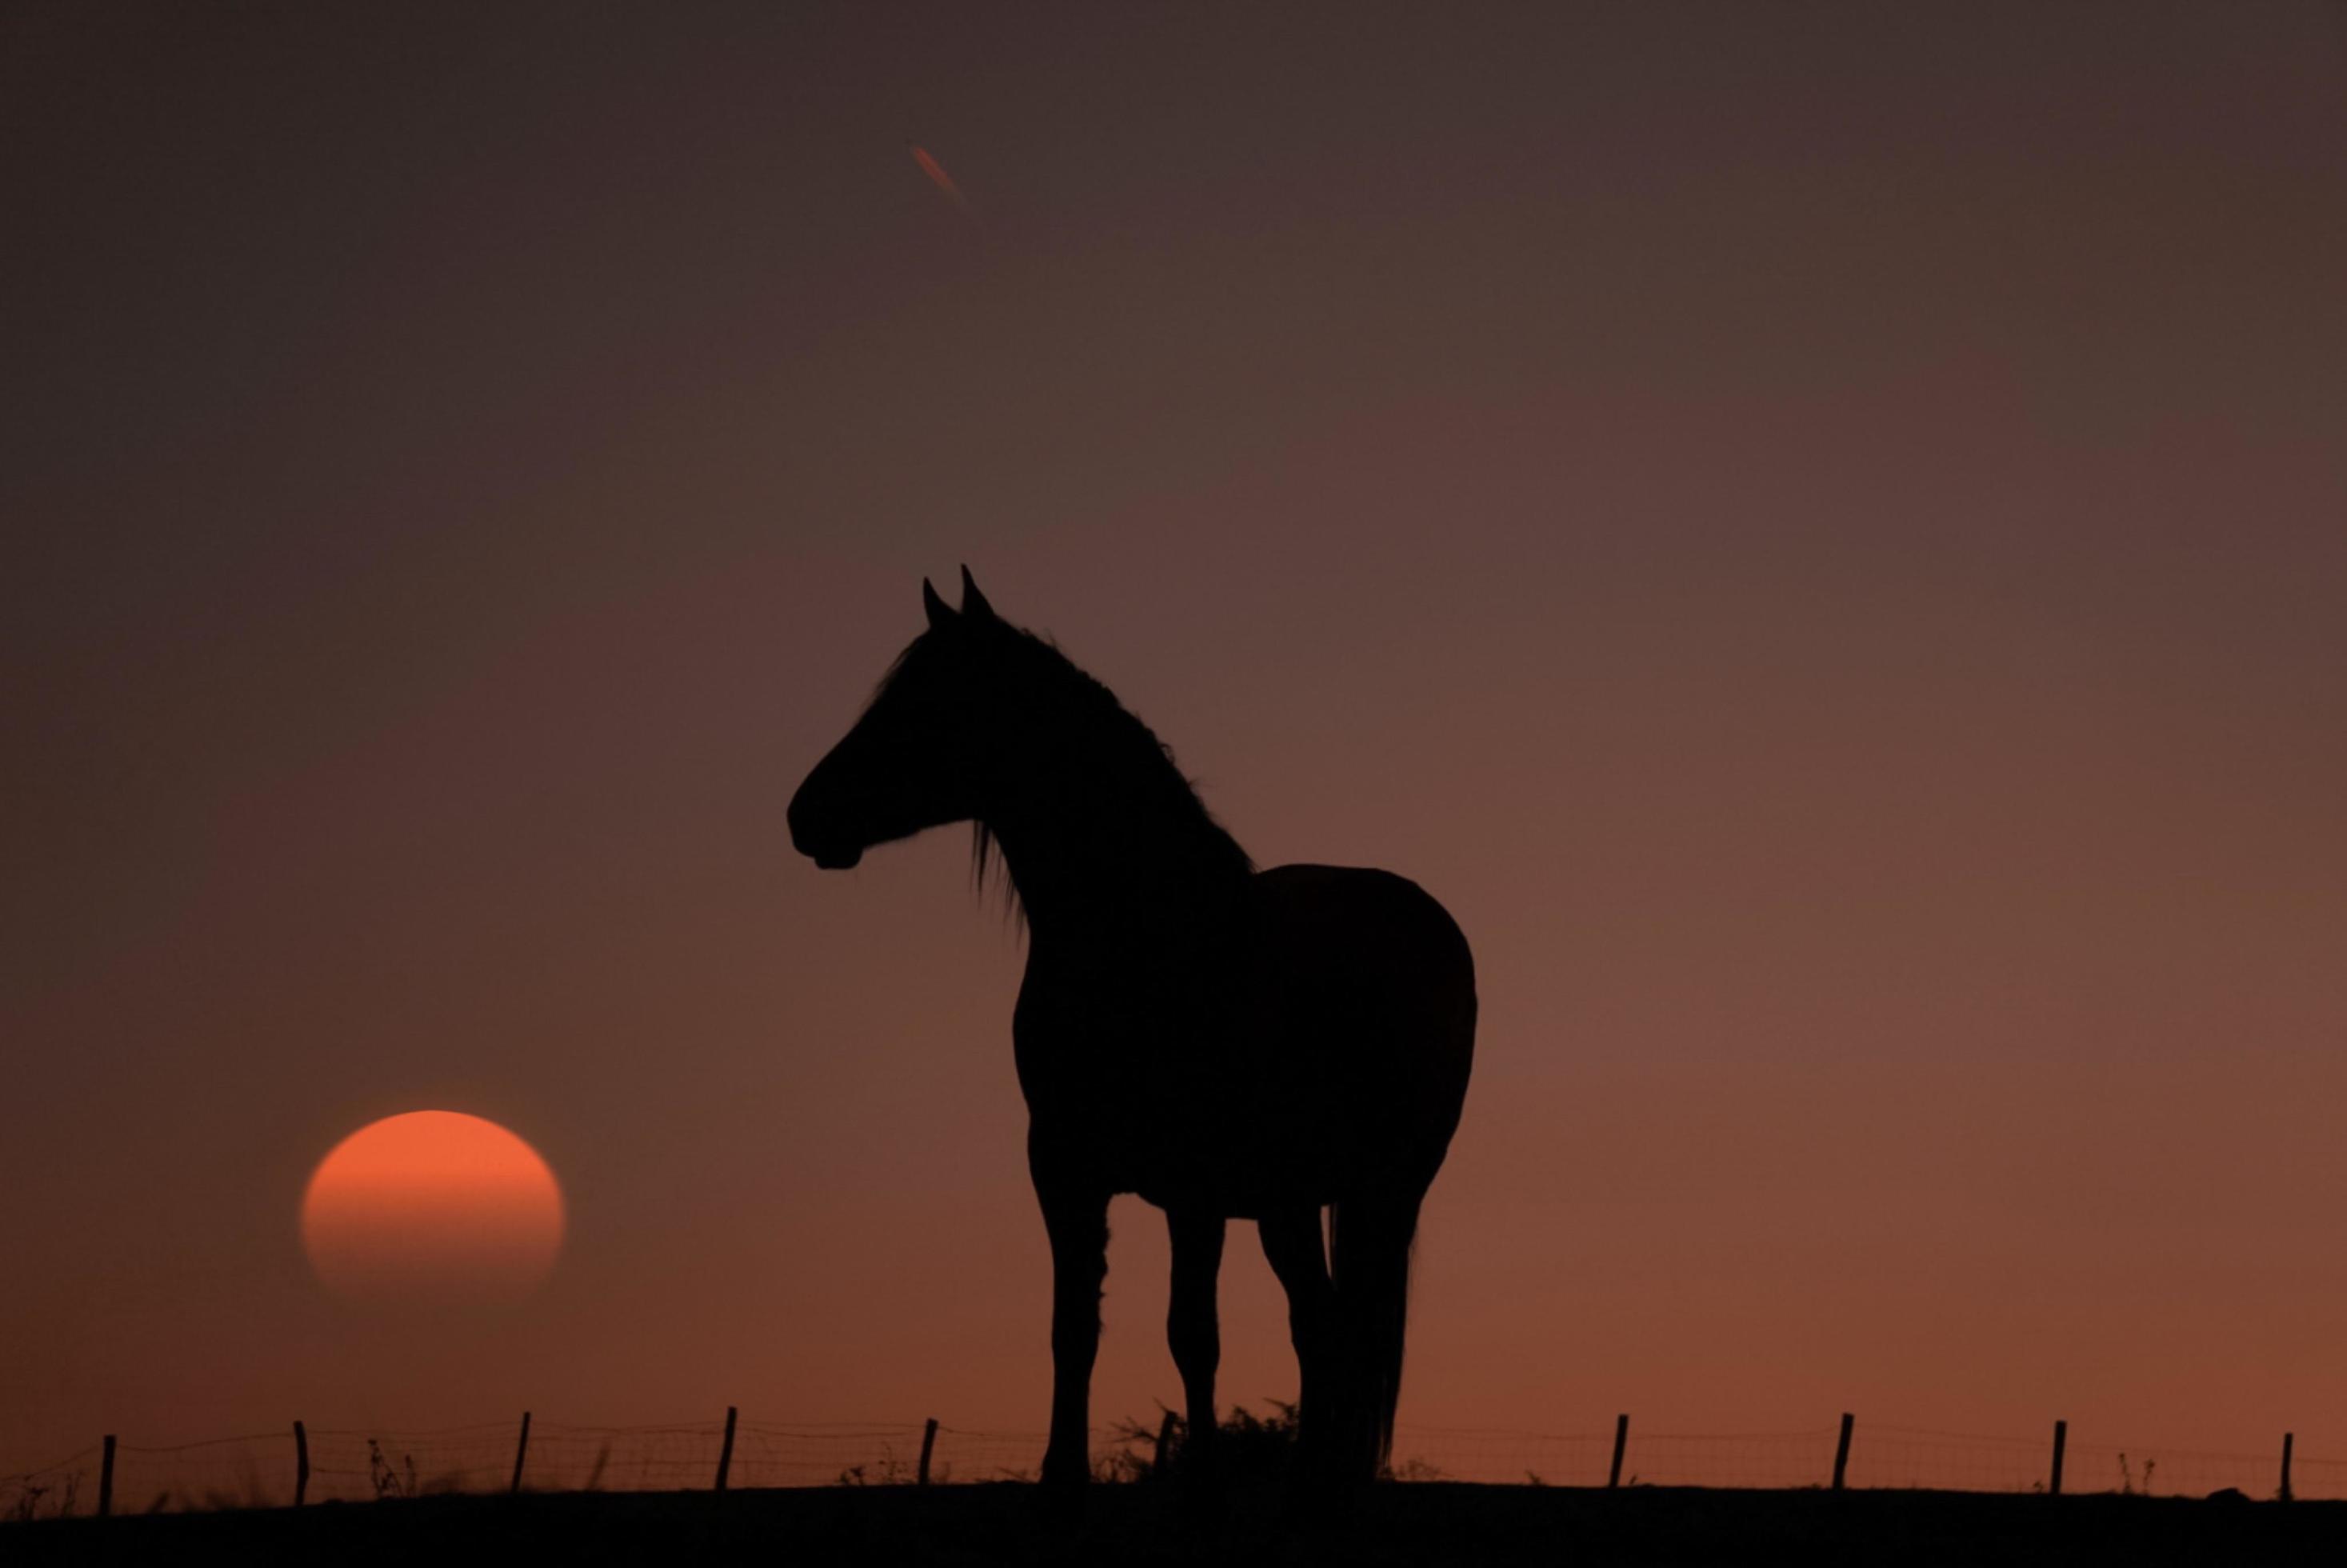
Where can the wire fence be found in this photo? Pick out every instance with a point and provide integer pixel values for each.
(263, 1470)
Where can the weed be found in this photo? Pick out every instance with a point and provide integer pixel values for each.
(889, 1471)
(390, 1482)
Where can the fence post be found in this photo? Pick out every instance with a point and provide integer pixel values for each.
(1621, 1441)
(2061, 1441)
(106, 1479)
(522, 1451)
(1842, 1451)
(929, 1447)
(2287, 1439)
(301, 1463)
(726, 1453)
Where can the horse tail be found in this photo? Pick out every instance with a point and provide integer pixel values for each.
(1369, 1242)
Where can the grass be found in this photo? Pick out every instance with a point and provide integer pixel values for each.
(1134, 1526)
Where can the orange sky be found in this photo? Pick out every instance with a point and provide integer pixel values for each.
(1818, 537)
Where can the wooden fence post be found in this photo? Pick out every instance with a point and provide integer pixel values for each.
(106, 1479)
(1621, 1441)
(2287, 1439)
(522, 1451)
(301, 1463)
(929, 1447)
(1842, 1451)
(726, 1453)
(2061, 1441)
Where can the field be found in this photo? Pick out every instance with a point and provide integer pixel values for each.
(1126, 1525)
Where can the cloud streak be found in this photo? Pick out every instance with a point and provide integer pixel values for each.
(938, 176)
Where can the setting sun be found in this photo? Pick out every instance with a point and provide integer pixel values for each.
(432, 1205)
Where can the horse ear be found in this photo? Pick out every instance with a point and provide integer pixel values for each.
(973, 603)
(940, 614)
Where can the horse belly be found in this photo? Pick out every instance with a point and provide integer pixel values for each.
(1329, 1055)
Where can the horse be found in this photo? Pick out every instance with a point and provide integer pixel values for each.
(1225, 1043)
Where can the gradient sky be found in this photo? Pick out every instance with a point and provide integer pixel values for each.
(1818, 531)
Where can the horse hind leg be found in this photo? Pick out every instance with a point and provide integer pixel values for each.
(1292, 1244)
(1193, 1324)
(1370, 1240)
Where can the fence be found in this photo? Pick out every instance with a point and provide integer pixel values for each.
(300, 1464)
(1877, 1457)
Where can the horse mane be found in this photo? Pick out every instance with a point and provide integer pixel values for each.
(1084, 718)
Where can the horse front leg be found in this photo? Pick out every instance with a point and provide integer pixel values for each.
(1075, 1215)
(1193, 1327)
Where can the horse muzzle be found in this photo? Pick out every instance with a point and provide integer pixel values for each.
(829, 850)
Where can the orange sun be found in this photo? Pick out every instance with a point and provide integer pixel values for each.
(432, 1207)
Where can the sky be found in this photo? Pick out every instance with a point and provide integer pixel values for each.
(1816, 531)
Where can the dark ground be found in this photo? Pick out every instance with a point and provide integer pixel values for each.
(1128, 1525)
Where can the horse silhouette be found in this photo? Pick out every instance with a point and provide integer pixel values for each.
(1224, 1041)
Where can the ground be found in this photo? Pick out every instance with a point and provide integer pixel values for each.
(1135, 1525)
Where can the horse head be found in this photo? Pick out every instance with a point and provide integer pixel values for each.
(916, 757)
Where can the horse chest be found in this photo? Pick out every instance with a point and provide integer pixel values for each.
(1178, 1094)
(1119, 1050)
(1139, 1071)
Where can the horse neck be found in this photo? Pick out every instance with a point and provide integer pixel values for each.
(1089, 866)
